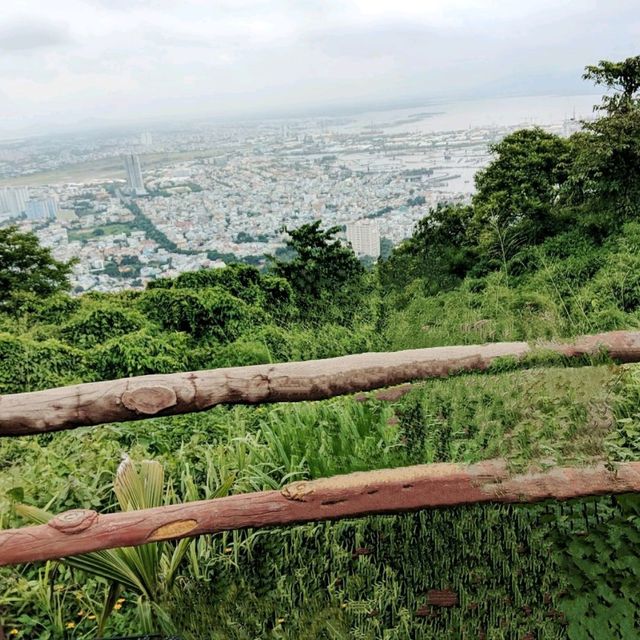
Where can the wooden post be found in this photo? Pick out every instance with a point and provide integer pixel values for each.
(356, 494)
(160, 395)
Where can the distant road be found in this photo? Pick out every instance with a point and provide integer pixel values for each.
(103, 169)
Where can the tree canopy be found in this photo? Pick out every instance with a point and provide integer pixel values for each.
(28, 267)
(517, 191)
(606, 170)
(623, 77)
(324, 274)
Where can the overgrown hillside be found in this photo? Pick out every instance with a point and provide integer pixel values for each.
(548, 248)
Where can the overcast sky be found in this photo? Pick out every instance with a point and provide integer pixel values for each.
(85, 62)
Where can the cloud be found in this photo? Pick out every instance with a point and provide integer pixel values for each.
(136, 59)
(32, 33)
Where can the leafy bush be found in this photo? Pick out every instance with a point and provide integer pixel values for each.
(58, 308)
(139, 353)
(100, 323)
(204, 313)
(240, 353)
(27, 267)
(29, 365)
(241, 281)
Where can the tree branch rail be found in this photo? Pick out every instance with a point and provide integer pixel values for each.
(178, 393)
(357, 494)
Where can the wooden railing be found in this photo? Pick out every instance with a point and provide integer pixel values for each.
(357, 494)
(161, 395)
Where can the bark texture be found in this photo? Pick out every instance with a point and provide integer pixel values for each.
(160, 395)
(356, 494)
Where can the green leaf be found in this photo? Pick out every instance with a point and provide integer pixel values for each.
(16, 494)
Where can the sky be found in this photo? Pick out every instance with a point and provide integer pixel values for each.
(84, 63)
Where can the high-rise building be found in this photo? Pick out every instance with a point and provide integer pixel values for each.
(364, 236)
(134, 174)
(13, 200)
(42, 209)
(146, 138)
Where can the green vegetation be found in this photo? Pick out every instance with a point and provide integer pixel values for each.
(102, 230)
(140, 221)
(548, 248)
(243, 236)
(27, 269)
(323, 273)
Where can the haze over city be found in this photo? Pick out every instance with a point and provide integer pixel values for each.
(78, 64)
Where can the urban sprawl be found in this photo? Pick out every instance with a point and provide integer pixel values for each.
(143, 205)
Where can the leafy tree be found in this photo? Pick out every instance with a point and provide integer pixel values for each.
(101, 323)
(28, 365)
(516, 193)
(325, 275)
(277, 297)
(606, 173)
(58, 308)
(26, 266)
(439, 251)
(386, 247)
(623, 77)
(240, 280)
(207, 313)
(243, 281)
(140, 353)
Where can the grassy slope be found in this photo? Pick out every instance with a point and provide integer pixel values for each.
(318, 576)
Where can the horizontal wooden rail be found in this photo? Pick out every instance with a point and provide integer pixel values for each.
(356, 494)
(160, 395)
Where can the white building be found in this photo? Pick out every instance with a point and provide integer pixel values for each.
(134, 174)
(13, 200)
(364, 237)
(42, 209)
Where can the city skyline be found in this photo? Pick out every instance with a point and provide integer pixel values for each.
(137, 207)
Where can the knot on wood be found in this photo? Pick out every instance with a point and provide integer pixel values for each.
(297, 490)
(149, 400)
(175, 529)
(74, 521)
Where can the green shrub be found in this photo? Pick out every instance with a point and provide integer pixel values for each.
(269, 292)
(58, 309)
(278, 342)
(139, 353)
(241, 353)
(100, 323)
(204, 313)
(26, 365)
